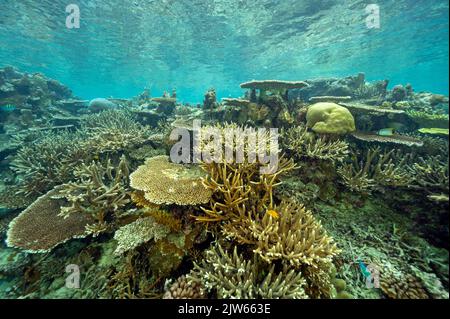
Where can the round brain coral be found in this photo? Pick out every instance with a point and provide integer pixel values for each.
(167, 183)
(330, 118)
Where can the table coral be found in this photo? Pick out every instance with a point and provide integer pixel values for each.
(164, 182)
(39, 228)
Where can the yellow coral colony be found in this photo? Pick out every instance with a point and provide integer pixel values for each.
(167, 183)
(330, 118)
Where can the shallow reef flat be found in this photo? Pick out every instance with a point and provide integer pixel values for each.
(93, 203)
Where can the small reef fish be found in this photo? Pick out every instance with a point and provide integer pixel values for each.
(7, 108)
(273, 213)
(386, 131)
(363, 268)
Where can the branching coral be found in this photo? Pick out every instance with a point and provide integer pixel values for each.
(39, 228)
(304, 144)
(375, 169)
(239, 184)
(431, 173)
(164, 182)
(295, 237)
(48, 162)
(114, 130)
(50, 158)
(99, 192)
(234, 277)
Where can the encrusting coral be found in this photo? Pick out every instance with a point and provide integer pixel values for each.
(167, 183)
(99, 192)
(232, 276)
(39, 228)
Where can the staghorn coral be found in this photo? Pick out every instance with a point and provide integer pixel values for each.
(375, 169)
(431, 173)
(241, 183)
(49, 161)
(295, 237)
(137, 233)
(39, 228)
(99, 192)
(234, 277)
(182, 289)
(164, 182)
(304, 144)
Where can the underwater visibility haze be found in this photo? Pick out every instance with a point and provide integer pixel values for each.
(215, 149)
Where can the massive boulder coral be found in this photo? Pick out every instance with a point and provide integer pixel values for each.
(330, 118)
(39, 228)
(167, 183)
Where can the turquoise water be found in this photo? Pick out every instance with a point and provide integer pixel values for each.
(123, 46)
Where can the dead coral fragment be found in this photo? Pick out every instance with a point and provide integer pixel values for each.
(137, 233)
(234, 277)
(164, 182)
(39, 228)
